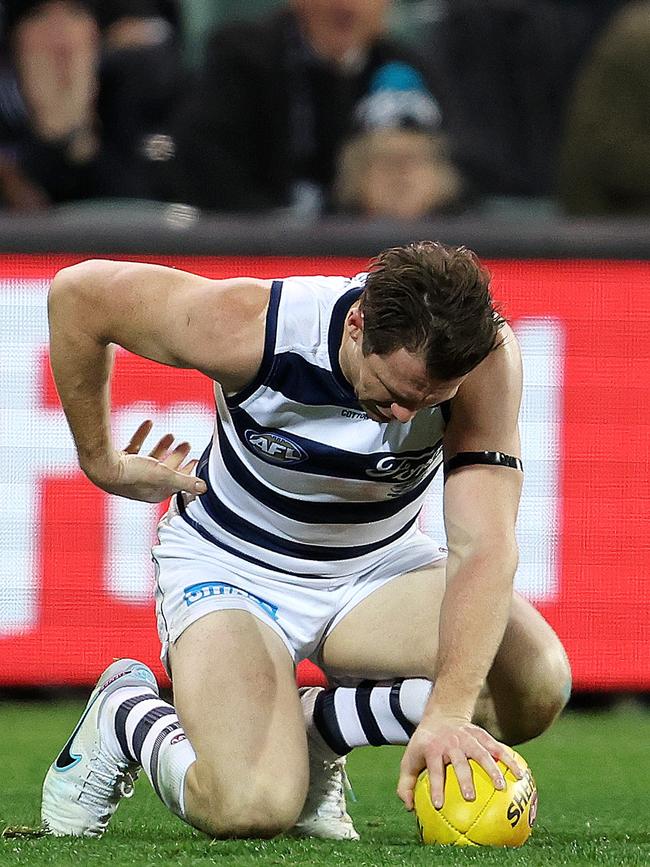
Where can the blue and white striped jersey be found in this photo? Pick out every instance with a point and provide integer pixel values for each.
(299, 479)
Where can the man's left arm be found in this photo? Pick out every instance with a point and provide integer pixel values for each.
(480, 508)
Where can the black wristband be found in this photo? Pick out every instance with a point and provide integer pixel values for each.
(494, 459)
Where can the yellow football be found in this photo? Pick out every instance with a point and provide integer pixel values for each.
(497, 817)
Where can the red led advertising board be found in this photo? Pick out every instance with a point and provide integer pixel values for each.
(75, 573)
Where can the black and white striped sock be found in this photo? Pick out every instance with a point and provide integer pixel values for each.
(370, 714)
(147, 732)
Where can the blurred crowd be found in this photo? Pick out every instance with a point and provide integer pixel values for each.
(367, 107)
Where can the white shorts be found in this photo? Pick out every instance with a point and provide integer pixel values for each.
(195, 577)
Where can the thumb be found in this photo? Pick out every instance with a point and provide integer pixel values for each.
(189, 484)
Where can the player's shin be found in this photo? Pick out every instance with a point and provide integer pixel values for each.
(324, 813)
(372, 714)
(147, 731)
(125, 725)
(339, 719)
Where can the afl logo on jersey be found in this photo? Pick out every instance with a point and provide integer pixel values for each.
(274, 448)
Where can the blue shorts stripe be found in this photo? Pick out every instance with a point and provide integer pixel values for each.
(200, 529)
(235, 552)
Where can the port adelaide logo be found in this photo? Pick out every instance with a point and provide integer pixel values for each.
(274, 448)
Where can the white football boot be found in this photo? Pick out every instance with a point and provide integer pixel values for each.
(325, 812)
(85, 783)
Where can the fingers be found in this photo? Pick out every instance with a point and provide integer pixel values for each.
(464, 775)
(174, 471)
(505, 755)
(486, 759)
(183, 472)
(176, 457)
(436, 768)
(189, 467)
(135, 443)
(487, 762)
(405, 786)
(159, 451)
(180, 478)
(496, 752)
(457, 746)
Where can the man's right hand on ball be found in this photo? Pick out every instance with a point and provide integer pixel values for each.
(446, 740)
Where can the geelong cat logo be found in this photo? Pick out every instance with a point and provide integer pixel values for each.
(405, 471)
(275, 448)
(401, 469)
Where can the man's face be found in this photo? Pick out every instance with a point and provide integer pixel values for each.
(337, 28)
(402, 176)
(61, 26)
(396, 386)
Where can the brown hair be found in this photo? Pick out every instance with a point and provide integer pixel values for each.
(431, 299)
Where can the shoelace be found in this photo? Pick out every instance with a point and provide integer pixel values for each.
(348, 785)
(106, 783)
(330, 791)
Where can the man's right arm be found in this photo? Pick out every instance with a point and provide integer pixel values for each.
(169, 316)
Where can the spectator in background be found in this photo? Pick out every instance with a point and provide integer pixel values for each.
(396, 165)
(17, 191)
(506, 68)
(75, 134)
(142, 82)
(275, 103)
(605, 161)
(55, 48)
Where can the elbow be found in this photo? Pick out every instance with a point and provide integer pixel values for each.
(497, 555)
(504, 552)
(68, 280)
(62, 292)
(75, 281)
(79, 273)
(76, 302)
(62, 282)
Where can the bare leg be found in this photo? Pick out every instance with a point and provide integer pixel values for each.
(530, 680)
(394, 633)
(235, 694)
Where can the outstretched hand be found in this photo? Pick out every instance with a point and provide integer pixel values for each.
(151, 478)
(449, 740)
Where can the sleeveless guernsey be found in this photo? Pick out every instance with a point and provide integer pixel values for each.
(299, 479)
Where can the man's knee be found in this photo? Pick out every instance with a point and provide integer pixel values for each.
(520, 701)
(547, 690)
(243, 806)
(553, 686)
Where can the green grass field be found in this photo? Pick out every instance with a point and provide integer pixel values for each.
(593, 773)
